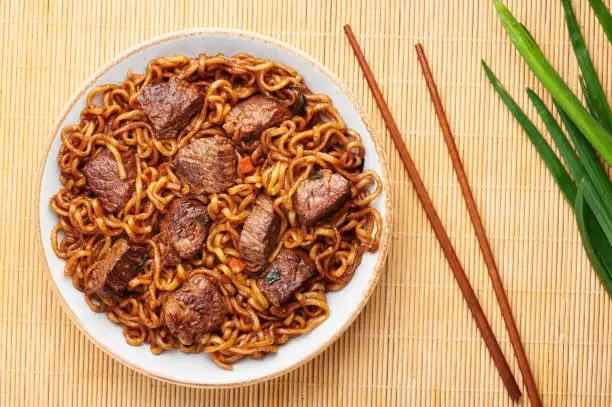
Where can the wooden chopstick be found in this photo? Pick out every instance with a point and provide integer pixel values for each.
(483, 241)
(447, 247)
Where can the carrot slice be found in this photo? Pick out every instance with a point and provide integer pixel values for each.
(236, 265)
(246, 166)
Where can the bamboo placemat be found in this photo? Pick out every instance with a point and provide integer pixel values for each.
(415, 343)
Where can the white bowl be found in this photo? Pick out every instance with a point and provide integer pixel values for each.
(197, 369)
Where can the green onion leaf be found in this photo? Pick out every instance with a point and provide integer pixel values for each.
(597, 135)
(604, 17)
(558, 171)
(587, 97)
(595, 244)
(599, 208)
(590, 161)
(565, 148)
(596, 94)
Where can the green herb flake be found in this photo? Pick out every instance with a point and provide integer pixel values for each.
(300, 104)
(316, 175)
(203, 219)
(293, 86)
(140, 266)
(272, 276)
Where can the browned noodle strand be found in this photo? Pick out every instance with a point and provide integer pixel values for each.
(315, 138)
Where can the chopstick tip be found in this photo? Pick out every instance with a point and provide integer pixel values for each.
(420, 50)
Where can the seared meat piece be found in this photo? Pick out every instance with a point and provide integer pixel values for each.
(169, 106)
(207, 165)
(320, 195)
(253, 115)
(168, 256)
(259, 234)
(195, 309)
(183, 230)
(119, 265)
(103, 179)
(286, 276)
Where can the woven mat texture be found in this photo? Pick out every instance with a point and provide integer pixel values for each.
(415, 343)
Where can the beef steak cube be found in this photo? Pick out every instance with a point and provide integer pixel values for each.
(194, 309)
(286, 276)
(207, 165)
(168, 256)
(103, 179)
(120, 264)
(170, 106)
(254, 115)
(259, 234)
(184, 229)
(320, 195)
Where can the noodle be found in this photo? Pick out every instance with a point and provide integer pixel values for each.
(315, 138)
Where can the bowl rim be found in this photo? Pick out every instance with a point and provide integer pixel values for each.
(387, 221)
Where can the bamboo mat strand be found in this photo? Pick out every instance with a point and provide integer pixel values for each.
(415, 342)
